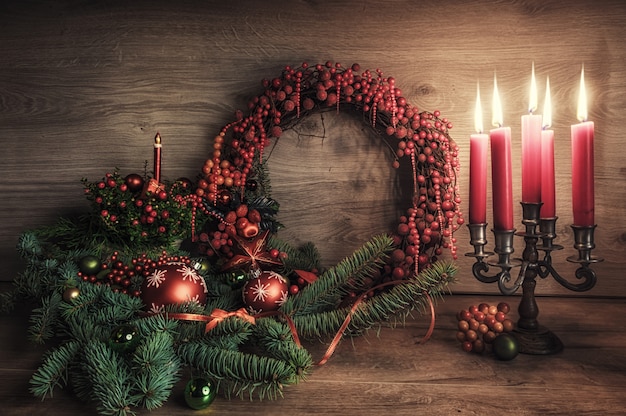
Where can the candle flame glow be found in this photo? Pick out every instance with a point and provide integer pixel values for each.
(547, 107)
(532, 102)
(496, 118)
(478, 112)
(581, 115)
(157, 139)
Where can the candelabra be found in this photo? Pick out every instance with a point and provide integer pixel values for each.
(532, 337)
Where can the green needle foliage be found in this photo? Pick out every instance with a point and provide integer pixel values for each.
(241, 359)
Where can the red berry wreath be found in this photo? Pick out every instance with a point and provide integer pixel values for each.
(232, 176)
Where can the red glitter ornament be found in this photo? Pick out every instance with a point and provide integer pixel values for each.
(266, 292)
(172, 284)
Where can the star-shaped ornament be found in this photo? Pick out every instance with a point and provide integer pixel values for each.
(253, 253)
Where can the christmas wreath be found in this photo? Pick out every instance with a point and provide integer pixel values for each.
(164, 277)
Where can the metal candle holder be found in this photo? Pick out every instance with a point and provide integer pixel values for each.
(533, 338)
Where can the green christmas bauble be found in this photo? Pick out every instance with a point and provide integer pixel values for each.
(237, 278)
(89, 265)
(202, 266)
(124, 338)
(505, 347)
(199, 393)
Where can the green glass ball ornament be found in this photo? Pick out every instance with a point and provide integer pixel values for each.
(199, 393)
(505, 347)
(89, 265)
(237, 278)
(124, 338)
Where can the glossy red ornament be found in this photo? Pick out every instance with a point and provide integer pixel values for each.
(265, 293)
(134, 182)
(172, 284)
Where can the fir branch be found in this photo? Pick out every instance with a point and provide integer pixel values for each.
(236, 330)
(390, 306)
(221, 296)
(110, 379)
(306, 257)
(28, 245)
(53, 372)
(156, 368)
(237, 373)
(276, 338)
(332, 285)
(7, 301)
(44, 319)
(153, 323)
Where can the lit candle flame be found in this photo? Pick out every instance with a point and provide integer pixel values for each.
(157, 139)
(547, 107)
(478, 112)
(497, 118)
(581, 115)
(532, 102)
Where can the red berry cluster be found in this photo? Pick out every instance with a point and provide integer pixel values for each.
(478, 326)
(420, 136)
(138, 210)
(122, 277)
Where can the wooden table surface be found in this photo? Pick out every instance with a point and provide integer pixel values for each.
(391, 373)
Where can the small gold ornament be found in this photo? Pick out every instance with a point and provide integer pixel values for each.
(71, 293)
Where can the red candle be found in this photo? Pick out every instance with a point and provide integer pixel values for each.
(548, 194)
(157, 158)
(478, 168)
(501, 168)
(531, 148)
(582, 163)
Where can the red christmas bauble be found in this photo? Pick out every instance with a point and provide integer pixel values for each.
(134, 182)
(172, 284)
(265, 293)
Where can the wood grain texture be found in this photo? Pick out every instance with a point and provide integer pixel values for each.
(389, 372)
(84, 86)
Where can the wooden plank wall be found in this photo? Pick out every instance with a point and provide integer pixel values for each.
(84, 87)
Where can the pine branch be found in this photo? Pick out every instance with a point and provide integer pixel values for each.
(111, 380)
(53, 372)
(390, 306)
(306, 257)
(156, 368)
(277, 340)
(7, 301)
(239, 374)
(333, 284)
(44, 319)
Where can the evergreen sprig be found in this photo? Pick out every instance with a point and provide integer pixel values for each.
(54, 370)
(240, 374)
(336, 282)
(156, 367)
(390, 306)
(111, 380)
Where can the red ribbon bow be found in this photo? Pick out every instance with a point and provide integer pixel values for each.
(218, 315)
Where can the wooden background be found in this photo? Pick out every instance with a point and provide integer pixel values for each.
(85, 85)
